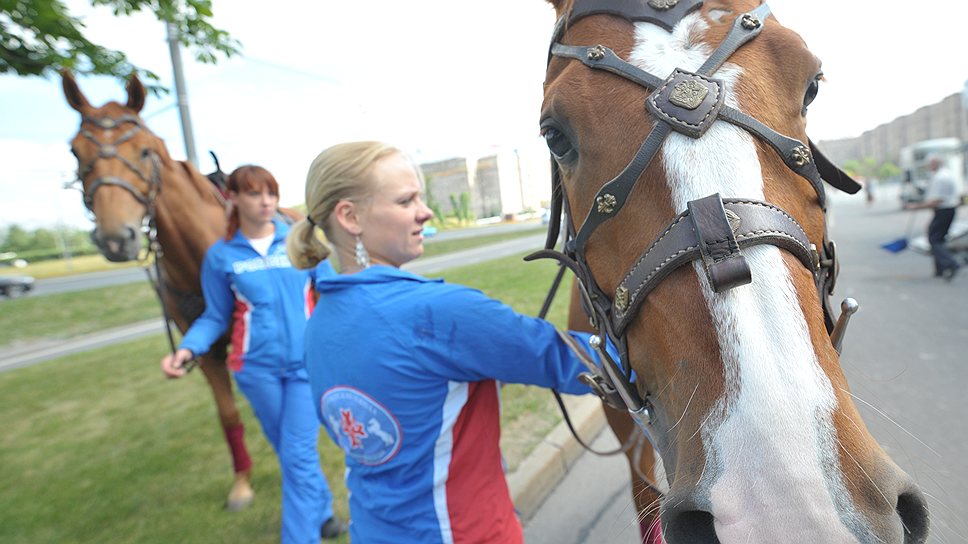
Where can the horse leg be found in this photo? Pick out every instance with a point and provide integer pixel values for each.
(217, 374)
(641, 459)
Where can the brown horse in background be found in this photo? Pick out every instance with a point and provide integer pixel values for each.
(133, 187)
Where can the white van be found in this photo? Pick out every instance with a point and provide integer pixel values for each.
(913, 162)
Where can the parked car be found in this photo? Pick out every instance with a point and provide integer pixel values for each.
(15, 286)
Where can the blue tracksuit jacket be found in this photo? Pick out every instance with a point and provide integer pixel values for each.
(263, 298)
(403, 373)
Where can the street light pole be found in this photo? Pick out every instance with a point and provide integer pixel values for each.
(181, 95)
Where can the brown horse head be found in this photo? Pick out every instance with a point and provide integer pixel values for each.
(118, 167)
(749, 406)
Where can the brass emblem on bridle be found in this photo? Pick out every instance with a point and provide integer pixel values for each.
(688, 94)
(734, 221)
(800, 155)
(663, 4)
(750, 22)
(606, 203)
(621, 299)
(596, 53)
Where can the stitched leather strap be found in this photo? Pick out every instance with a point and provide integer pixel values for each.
(603, 58)
(613, 195)
(759, 223)
(745, 28)
(652, 11)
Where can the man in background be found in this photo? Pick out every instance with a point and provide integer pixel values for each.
(944, 196)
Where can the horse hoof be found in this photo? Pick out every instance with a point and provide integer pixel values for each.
(238, 503)
(240, 497)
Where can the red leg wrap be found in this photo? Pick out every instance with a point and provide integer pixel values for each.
(235, 436)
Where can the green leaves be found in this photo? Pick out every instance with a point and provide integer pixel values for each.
(41, 37)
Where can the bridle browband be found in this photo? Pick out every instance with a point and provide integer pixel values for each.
(712, 229)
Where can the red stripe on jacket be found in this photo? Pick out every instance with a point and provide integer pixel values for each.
(478, 499)
(240, 334)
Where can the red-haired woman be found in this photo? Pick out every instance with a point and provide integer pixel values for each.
(250, 285)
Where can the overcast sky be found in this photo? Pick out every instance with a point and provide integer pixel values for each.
(439, 78)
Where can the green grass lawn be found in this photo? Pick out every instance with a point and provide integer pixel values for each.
(98, 447)
(434, 247)
(65, 315)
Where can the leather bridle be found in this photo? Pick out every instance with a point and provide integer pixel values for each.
(108, 151)
(713, 229)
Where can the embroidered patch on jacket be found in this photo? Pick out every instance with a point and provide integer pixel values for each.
(365, 429)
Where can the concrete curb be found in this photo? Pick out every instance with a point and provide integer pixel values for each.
(539, 473)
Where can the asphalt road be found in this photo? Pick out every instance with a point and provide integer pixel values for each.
(905, 357)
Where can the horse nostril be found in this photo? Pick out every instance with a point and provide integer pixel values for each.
(694, 526)
(913, 511)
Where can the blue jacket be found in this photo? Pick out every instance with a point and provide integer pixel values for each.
(403, 372)
(263, 298)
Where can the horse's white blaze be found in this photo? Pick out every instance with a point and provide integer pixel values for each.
(772, 472)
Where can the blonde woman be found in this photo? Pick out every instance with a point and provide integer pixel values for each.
(403, 368)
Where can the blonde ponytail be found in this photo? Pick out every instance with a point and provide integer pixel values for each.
(305, 249)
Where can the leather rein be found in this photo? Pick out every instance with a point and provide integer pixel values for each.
(712, 229)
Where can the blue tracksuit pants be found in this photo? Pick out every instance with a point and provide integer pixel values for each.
(283, 404)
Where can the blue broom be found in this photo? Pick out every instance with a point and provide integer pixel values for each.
(900, 244)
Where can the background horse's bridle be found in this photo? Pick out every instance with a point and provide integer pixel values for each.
(712, 229)
(109, 150)
(149, 228)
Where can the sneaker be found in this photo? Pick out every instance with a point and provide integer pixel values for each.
(332, 528)
(949, 273)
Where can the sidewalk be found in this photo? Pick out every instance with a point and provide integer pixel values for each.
(566, 495)
(548, 463)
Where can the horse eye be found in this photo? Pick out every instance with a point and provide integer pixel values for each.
(812, 89)
(145, 153)
(557, 142)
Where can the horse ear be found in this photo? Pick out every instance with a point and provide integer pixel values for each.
(136, 93)
(72, 92)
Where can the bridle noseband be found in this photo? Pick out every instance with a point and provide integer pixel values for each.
(713, 229)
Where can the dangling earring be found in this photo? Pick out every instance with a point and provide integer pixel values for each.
(362, 257)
